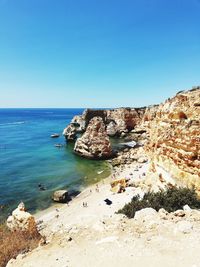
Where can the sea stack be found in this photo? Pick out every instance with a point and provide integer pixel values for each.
(94, 143)
(70, 132)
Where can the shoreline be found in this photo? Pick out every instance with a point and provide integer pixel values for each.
(90, 230)
(55, 205)
(96, 236)
(51, 220)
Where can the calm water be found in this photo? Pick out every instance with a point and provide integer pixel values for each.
(28, 157)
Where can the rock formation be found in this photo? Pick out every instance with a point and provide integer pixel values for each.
(70, 132)
(61, 196)
(117, 121)
(112, 128)
(125, 118)
(94, 143)
(174, 145)
(170, 133)
(79, 122)
(20, 220)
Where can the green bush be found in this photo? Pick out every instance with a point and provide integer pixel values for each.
(171, 200)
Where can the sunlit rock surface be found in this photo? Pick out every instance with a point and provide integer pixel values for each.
(174, 144)
(95, 142)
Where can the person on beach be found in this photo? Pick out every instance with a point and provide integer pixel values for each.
(97, 188)
(85, 205)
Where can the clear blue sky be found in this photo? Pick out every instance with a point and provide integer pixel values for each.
(97, 53)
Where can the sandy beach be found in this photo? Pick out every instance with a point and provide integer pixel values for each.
(94, 235)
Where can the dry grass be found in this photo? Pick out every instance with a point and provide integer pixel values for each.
(14, 243)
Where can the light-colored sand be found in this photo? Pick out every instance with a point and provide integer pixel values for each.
(95, 236)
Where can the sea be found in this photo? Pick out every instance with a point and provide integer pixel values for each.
(29, 160)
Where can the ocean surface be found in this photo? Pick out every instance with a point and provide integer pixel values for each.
(28, 158)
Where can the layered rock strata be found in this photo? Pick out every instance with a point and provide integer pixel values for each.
(174, 144)
(94, 143)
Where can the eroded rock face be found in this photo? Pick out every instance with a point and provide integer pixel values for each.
(79, 122)
(70, 132)
(112, 128)
(125, 118)
(20, 220)
(174, 145)
(95, 142)
(149, 115)
(117, 121)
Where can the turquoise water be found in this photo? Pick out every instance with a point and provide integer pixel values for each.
(28, 157)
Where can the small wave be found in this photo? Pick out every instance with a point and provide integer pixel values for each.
(12, 123)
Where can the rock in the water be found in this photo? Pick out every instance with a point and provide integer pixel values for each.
(79, 122)
(20, 220)
(94, 143)
(111, 128)
(60, 196)
(70, 132)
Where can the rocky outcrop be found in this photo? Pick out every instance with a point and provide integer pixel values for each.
(149, 115)
(20, 220)
(112, 128)
(119, 185)
(88, 114)
(70, 132)
(125, 119)
(174, 144)
(117, 121)
(94, 143)
(79, 122)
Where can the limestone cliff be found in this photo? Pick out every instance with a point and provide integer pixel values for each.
(117, 121)
(174, 145)
(125, 119)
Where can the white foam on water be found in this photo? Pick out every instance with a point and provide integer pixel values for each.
(12, 123)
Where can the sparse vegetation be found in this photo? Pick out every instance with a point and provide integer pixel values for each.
(14, 243)
(171, 200)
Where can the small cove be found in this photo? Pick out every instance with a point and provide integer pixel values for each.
(28, 157)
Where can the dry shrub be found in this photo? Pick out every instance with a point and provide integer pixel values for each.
(14, 243)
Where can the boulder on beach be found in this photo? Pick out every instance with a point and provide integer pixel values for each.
(94, 143)
(61, 196)
(119, 185)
